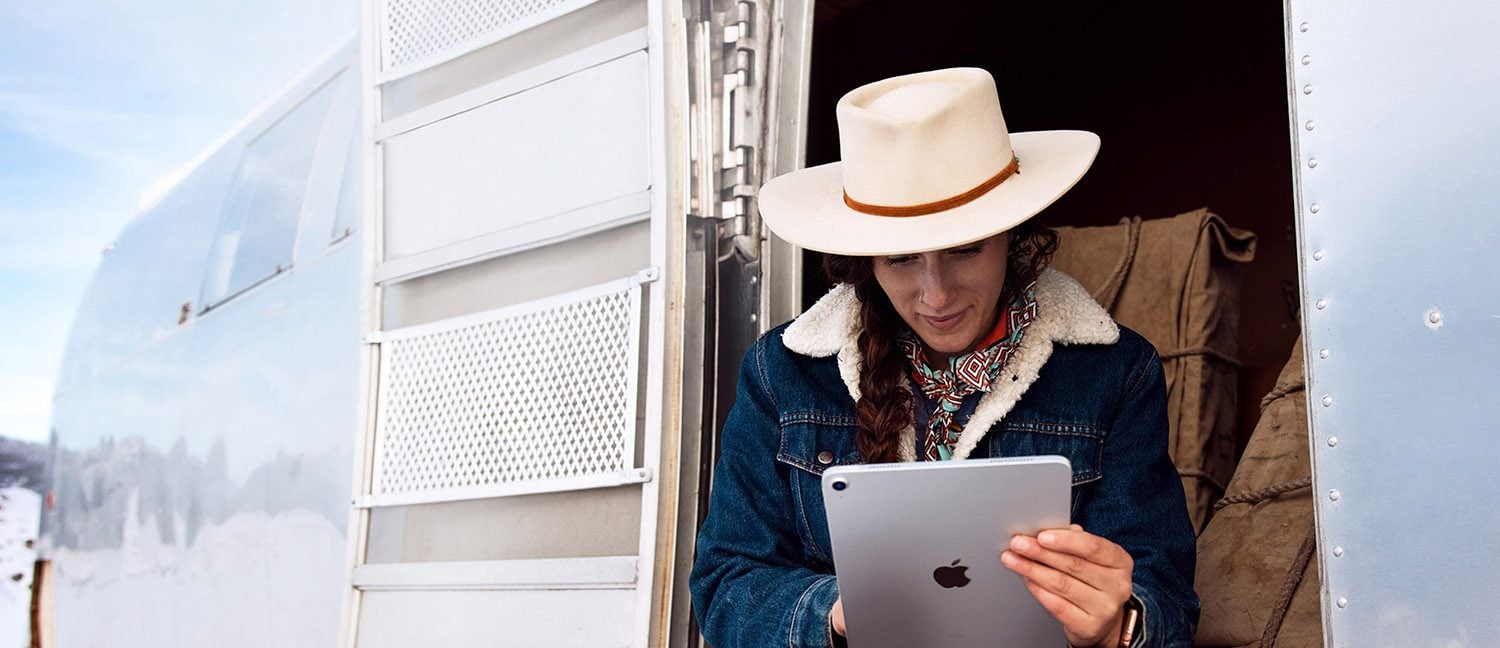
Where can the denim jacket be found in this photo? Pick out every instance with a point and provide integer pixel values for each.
(1079, 386)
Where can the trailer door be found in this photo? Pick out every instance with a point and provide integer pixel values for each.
(520, 319)
(1394, 131)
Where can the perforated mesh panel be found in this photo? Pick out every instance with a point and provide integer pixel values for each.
(418, 29)
(542, 393)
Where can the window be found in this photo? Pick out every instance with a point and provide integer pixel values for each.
(346, 217)
(258, 226)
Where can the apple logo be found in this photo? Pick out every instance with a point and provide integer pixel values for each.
(951, 576)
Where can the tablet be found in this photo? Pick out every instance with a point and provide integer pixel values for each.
(917, 549)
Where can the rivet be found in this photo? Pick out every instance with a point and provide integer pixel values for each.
(1307, 60)
(1343, 603)
(1333, 442)
(825, 457)
(1307, 89)
(1327, 401)
(1323, 353)
(1318, 256)
(1433, 319)
(1314, 208)
(754, 317)
(1333, 495)
(1321, 304)
(1312, 163)
(1304, 28)
(1338, 552)
(1311, 124)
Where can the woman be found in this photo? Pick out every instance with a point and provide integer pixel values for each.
(946, 338)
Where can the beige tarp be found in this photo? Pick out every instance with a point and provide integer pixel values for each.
(1176, 281)
(1257, 567)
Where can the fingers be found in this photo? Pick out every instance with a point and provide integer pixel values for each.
(1065, 611)
(1075, 541)
(1079, 626)
(1081, 579)
(836, 617)
(1112, 580)
(1066, 586)
(1090, 572)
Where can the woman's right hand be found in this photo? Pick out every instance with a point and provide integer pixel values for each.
(836, 617)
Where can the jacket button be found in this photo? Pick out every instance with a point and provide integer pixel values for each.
(825, 457)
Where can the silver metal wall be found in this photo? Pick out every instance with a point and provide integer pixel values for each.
(1394, 113)
(202, 458)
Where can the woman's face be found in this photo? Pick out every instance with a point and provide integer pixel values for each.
(948, 297)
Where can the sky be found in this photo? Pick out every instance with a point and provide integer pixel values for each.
(99, 101)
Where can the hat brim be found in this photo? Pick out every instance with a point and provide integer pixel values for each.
(807, 207)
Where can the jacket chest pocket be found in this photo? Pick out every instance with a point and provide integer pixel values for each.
(810, 444)
(1083, 445)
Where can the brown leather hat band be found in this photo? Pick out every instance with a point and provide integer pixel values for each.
(941, 205)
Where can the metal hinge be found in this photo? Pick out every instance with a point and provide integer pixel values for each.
(737, 177)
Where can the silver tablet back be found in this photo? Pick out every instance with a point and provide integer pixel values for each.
(917, 550)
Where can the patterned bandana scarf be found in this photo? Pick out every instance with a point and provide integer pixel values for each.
(966, 374)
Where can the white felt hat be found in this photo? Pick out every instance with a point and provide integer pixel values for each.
(927, 164)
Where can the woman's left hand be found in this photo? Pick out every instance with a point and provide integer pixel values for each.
(1081, 579)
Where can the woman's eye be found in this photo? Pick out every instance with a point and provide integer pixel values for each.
(966, 251)
(898, 260)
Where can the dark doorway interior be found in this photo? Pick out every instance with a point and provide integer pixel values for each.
(1188, 98)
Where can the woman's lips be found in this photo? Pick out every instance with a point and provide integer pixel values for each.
(946, 322)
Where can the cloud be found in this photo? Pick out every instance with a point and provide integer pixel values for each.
(51, 256)
(98, 100)
(59, 242)
(144, 87)
(111, 137)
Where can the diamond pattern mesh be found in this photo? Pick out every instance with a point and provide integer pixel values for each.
(417, 29)
(511, 397)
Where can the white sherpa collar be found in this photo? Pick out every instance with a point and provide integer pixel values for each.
(1066, 314)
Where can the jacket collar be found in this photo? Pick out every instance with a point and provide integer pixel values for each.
(1066, 314)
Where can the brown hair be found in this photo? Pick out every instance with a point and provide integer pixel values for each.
(884, 407)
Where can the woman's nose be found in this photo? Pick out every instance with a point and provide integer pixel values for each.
(935, 293)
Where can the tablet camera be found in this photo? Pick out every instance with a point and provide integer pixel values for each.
(840, 484)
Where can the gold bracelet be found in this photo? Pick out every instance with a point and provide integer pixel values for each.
(1127, 627)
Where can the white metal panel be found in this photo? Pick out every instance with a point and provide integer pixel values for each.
(519, 81)
(1394, 108)
(517, 278)
(512, 164)
(530, 398)
(575, 31)
(595, 618)
(609, 572)
(568, 524)
(418, 34)
(579, 222)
